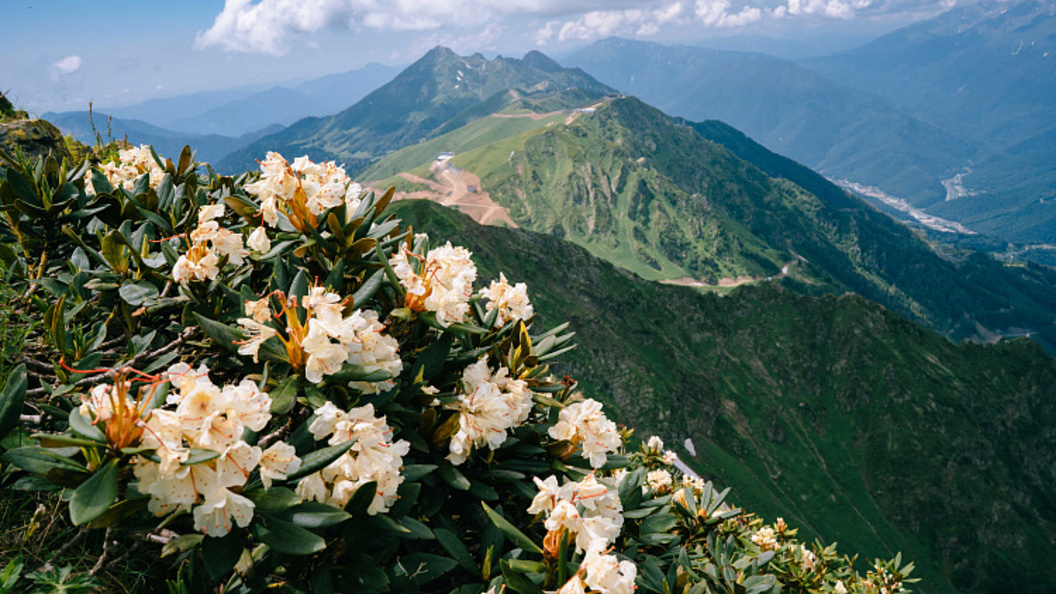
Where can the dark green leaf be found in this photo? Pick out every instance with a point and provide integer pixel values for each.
(11, 400)
(512, 533)
(518, 582)
(454, 477)
(422, 568)
(311, 514)
(286, 537)
(320, 459)
(40, 460)
(95, 495)
(83, 427)
(136, 294)
(454, 547)
(273, 499)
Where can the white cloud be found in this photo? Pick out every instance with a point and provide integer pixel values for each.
(68, 65)
(268, 26)
(717, 14)
(273, 26)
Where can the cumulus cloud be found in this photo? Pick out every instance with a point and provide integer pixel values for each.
(267, 26)
(271, 26)
(68, 65)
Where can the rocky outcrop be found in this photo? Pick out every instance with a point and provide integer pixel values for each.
(35, 138)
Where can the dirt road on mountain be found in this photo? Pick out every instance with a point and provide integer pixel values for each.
(730, 281)
(452, 188)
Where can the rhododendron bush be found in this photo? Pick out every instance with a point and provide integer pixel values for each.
(291, 391)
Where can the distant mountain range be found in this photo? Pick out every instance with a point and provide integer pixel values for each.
(988, 71)
(841, 131)
(428, 94)
(245, 110)
(210, 147)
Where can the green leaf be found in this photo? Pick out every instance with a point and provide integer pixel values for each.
(512, 533)
(423, 568)
(119, 511)
(518, 582)
(311, 514)
(220, 555)
(83, 427)
(197, 456)
(320, 459)
(41, 460)
(414, 472)
(357, 373)
(11, 400)
(284, 396)
(368, 289)
(95, 495)
(454, 477)
(273, 499)
(362, 498)
(137, 294)
(286, 537)
(454, 547)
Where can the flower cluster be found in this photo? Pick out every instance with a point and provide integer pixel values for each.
(596, 526)
(133, 162)
(286, 188)
(210, 418)
(511, 301)
(209, 243)
(604, 574)
(328, 339)
(442, 283)
(590, 512)
(584, 423)
(488, 405)
(373, 457)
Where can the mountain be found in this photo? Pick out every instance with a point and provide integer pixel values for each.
(841, 417)
(209, 147)
(421, 99)
(841, 131)
(246, 109)
(654, 195)
(988, 71)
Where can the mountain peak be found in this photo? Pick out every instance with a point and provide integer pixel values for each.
(541, 61)
(439, 54)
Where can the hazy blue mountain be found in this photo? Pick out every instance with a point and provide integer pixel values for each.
(246, 109)
(988, 71)
(840, 131)
(169, 143)
(417, 103)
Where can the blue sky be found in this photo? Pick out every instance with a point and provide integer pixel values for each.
(60, 54)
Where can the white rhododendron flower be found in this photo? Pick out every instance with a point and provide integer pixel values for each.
(209, 243)
(655, 443)
(443, 284)
(374, 457)
(132, 164)
(659, 480)
(765, 538)
(807, 557)
(489, 404)
(608, 575)
(321, 186)
(209, 417)
(584, 423)
(596, 526)
(511, 301)
(669, 458)
(258, 241)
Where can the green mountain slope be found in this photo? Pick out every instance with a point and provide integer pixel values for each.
(842, 131)
(439, 87)
(831, 412)
(654, 196)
